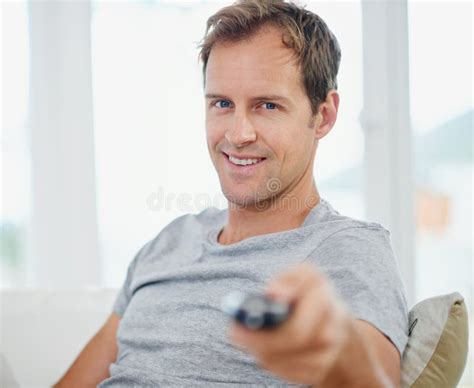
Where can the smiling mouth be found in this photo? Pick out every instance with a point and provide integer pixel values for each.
(243, 162)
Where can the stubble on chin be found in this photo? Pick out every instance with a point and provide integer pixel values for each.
(258, 199)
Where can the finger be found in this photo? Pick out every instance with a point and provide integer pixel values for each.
(296, 333)
(307, 367)
(330, 333)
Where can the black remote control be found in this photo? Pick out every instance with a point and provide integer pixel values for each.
(255, 311)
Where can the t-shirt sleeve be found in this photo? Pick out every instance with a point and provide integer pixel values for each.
(125, 292)
(360, 263)
(163, 240)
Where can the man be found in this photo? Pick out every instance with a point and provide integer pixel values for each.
(270, 72)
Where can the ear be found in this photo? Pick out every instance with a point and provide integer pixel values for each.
(327, 115)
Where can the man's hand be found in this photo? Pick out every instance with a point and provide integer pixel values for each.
(319, 344)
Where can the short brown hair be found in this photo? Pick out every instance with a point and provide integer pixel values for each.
(315, 46)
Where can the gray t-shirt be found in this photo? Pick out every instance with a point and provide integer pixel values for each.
(173, 333)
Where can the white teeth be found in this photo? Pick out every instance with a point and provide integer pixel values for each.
(243, 162)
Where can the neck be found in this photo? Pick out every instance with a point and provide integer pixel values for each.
(277, 214)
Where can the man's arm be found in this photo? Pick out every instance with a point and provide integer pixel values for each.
(321, 344)
(92, 365)
(369, 359)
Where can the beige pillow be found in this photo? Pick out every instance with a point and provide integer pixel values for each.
(436, 352)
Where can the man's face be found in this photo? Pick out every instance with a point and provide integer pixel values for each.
(256, 108)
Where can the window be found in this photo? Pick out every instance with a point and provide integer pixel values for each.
(15, 171)
(338, 165)
(442, 117)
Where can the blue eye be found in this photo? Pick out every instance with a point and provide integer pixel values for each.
(270, 105)
(223, 104)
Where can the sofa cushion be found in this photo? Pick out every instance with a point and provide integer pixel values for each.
(436, 352)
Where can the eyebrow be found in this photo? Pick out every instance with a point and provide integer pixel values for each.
(272, 97)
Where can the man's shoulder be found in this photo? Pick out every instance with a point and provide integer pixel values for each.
(337, 224)
(192, 225)
(183, 231)
(204, 219)
(346, 237)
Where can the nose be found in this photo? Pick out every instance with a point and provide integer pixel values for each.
(241, 131)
